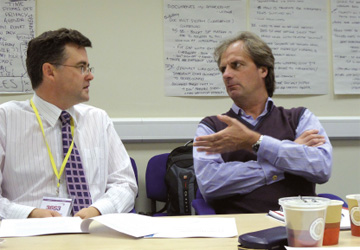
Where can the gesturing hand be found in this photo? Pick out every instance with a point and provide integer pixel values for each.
(234, 137)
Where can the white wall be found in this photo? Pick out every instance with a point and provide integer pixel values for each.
(127, 53)
(345, 178)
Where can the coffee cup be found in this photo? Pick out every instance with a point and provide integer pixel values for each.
(354, 212)
(332, 223)
(305, 220)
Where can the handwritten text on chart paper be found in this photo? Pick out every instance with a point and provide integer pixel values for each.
(17, 27)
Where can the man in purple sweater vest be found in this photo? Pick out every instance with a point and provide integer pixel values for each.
(256, 153)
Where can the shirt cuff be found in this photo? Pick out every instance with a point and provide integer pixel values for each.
(266, 157)
(17, 211)
(269, 149)
(104, 206)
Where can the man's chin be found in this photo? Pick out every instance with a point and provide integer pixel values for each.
(85, 98)
(234, 93)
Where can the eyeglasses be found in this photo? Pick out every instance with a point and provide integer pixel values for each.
(85, 70)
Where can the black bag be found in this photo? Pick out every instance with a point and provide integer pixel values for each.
(180, 180)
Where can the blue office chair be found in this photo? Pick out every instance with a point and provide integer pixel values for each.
(200, 206)
(156, 189)
(333, 197)
(133, 164)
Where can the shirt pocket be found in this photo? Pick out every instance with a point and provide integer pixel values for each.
(94, 165)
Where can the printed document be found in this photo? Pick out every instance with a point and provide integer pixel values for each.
(135, 225)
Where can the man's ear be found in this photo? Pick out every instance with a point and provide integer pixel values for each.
(263, 71)
(48, 70)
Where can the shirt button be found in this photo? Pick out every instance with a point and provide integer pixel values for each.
(274, 177)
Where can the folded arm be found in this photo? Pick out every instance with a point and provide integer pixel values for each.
(309, 156)
(217, 178)
(237, 136)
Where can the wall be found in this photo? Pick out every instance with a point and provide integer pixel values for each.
(127, 54)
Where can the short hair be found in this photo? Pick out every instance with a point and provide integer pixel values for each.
(257, 50)
(50, 47)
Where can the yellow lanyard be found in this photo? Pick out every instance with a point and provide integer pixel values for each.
(58, 175)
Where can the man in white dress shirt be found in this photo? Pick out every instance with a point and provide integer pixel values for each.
(60, 74)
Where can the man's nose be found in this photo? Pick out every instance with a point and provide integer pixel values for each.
(89, 76)
(227, 73)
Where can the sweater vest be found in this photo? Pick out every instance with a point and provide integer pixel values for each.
(278, 123)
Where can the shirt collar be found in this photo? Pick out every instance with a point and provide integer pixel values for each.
(49, 112)
(268, 106)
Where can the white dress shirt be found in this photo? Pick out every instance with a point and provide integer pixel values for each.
(26, 174)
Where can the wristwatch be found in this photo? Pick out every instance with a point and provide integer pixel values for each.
(256, 145)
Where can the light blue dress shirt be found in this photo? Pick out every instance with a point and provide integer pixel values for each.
(218, 179)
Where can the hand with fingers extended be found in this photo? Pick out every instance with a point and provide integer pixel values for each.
(234, 137)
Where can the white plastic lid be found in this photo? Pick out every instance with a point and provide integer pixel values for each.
(304, 202)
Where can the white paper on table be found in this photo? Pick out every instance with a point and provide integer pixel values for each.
(344, 224)
(195, 227)
(135, 225)
(127, 223)
(40, 226)
(166, 227)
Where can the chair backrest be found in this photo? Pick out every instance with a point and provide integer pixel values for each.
(333, 197)
(133, 164)
(155, 178)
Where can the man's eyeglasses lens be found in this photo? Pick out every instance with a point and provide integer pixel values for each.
(85, 70)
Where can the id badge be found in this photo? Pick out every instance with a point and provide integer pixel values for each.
(61, 205)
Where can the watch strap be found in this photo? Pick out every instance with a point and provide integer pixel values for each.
(256, 145)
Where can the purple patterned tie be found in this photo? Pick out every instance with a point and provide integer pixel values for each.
(75, 176)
